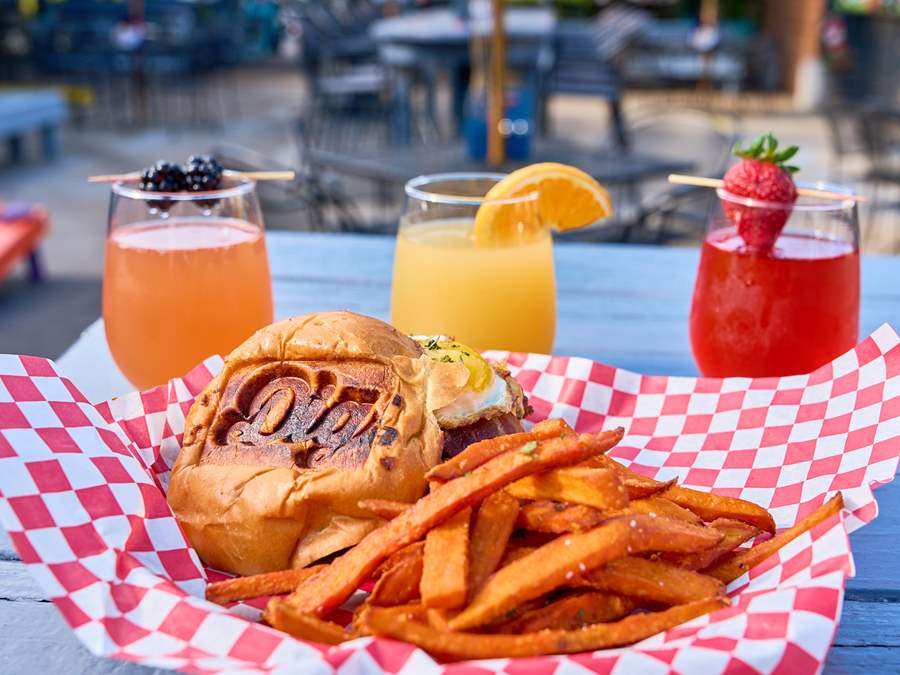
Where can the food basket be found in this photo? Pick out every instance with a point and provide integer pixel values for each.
(83, 500)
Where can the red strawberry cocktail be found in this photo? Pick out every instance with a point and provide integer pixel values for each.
(777, 289)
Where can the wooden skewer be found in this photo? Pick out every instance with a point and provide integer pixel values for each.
(701, 181)
(252, 175)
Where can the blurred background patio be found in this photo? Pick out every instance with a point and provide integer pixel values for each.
(359, 95)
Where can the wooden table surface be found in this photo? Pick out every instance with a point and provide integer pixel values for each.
(625, 305)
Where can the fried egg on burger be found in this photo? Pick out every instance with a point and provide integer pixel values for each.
(483, 401)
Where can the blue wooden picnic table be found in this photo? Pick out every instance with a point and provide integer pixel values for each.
(25, 111)
(624, 305)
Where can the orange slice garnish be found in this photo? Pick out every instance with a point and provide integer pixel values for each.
(568, 199)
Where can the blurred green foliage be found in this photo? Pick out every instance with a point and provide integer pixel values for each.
(887, 7)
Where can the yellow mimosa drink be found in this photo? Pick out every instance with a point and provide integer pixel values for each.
(490, 297)
(474, 256)
(176, 292)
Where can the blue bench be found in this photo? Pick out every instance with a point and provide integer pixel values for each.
(27, 111)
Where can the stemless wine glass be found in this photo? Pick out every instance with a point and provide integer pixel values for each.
(784, 311)
(186, 276)
(491, 288)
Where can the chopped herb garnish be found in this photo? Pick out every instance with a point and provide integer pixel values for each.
(510, 613)
(446, 358)
(432, 344)
(530, 449)
(558, 507)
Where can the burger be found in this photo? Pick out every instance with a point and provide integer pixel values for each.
(315, 413)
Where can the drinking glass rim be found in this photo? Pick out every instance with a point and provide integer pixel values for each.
(414, 185)
(243, 186)
(820, 203)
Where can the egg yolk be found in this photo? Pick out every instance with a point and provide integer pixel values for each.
(448, 351)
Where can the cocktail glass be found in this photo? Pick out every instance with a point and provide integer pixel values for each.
(186, 276)
(499, 294)
(784, 311)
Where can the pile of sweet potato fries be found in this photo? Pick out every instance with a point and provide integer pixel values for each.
(528, 544)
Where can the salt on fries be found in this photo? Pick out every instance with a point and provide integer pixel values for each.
(528, 544)
(327, 589)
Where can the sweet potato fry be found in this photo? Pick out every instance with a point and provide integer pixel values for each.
(437, 619)
(478, 453)
(642, 488)
(707, 505)
(493, 525)
(556, 563)
(654, 581)
(383, 508)
(735, 533)
(304, 626)
(660, 506)
(399, 583)
(558, 518)
(710, 506)
(513, 553)
(258, 585)
(357, 627)
(395, 558)
(600, 489)
(638, 486)
(734, 564)
(334, 584)
(445, 570)
(460, 646)
(572, 611)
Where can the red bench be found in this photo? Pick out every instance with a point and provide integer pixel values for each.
(22, 226)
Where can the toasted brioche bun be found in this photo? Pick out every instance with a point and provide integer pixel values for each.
(308, 416)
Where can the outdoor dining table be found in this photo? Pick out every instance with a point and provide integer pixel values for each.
(402, 165)
(623, 305)
(438, 39)
(620, 170)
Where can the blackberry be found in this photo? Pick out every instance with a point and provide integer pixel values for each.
(163, 177)
(202, 173)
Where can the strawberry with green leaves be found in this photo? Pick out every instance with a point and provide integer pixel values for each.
(761, 175)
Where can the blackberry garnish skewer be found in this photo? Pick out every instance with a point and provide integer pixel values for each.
(162, 177)
(202, 173)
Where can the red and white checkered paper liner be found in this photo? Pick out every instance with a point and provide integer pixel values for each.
(83, 500)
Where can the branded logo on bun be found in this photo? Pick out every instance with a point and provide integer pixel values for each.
(313, 414)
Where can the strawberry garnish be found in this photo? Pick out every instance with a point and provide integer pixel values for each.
(761, 175)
